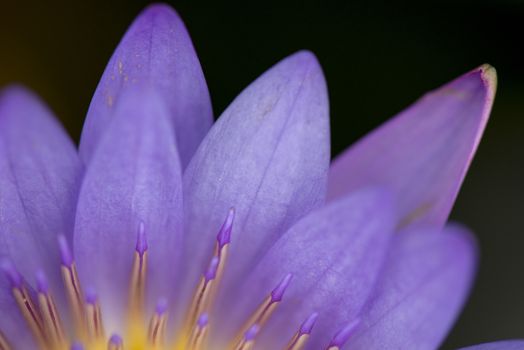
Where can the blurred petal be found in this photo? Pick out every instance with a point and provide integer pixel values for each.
(499, 345)
(134, 177)
(267, 156)
(13, 327)
(425, 282)
(423, 153)
(334, 255)
(39, 180)
(156, 49)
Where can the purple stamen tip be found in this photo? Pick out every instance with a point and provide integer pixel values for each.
(141, 239)
(12, 274)
(212, 269)
(91, 296)
(77, 346)
(224, 235)
(343, 335)
(161, 306)
(65, 251)
(278, 292)
(308, 324)
(203, 320)
(116, 340)
(252, 332)
(42, 286)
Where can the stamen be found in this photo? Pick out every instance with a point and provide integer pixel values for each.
(53, 327)
(138, 275)
(77, 346)
(157, 326)
(300, 338)
(4, 345)
(25, 303)
(95, 327)
(343, 335)
(205, 293)
(248, 340)
(73, 289)
(198, 336)
(115, 343)
(266, 309)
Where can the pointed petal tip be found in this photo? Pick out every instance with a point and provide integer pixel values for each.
(488, 74)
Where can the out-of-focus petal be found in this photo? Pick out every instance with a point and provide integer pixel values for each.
(425, 282)
(334, 255)
(39, 180)
(156, 49)
(12, 326)
(499, 345)
(423, 153)
(135, 176)
(267, 156)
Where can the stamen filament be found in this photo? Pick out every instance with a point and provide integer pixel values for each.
(95, 327)
(4, 345)
(198, 336)
(157, 326)
(138, 275)
(264, 312)
(343, 335)
(73, 289)
(25, 303)
(299, 340)
(205, 293)
(248, 340)
(115, 343)
(51, 319)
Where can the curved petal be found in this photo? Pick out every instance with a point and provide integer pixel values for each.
(499, 345)
(425, 282)
(39, 180)
(334, 255)
(12, 326)
(156, 49)
(134, 177)
(424, 152)
(267, 156)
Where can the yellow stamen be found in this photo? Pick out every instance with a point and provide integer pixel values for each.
(95, 327)
(4, 345)
(76, 298)
(51, 322)
(157, 331)
(31, 315)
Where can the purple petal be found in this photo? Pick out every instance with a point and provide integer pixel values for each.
(13, 327)
(267, 156)
(133, 182)
(425, 282)
(156, 49)
(39, 180)
(424, 152)
(499, 345)
(334, 254)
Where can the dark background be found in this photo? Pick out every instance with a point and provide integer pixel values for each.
(378, 58)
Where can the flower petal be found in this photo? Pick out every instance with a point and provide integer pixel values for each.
(424, 152)
(134, 177)
(499, 345)
(334, 255)
(156, 49)
(425, 282)
(267, 156)
(39, 180)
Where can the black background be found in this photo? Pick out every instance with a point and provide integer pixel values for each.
(378, 58)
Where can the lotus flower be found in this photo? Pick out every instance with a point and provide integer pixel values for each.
(165, 231)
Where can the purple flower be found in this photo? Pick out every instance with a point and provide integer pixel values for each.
(167, 230)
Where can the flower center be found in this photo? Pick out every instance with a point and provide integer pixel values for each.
(39, 310)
